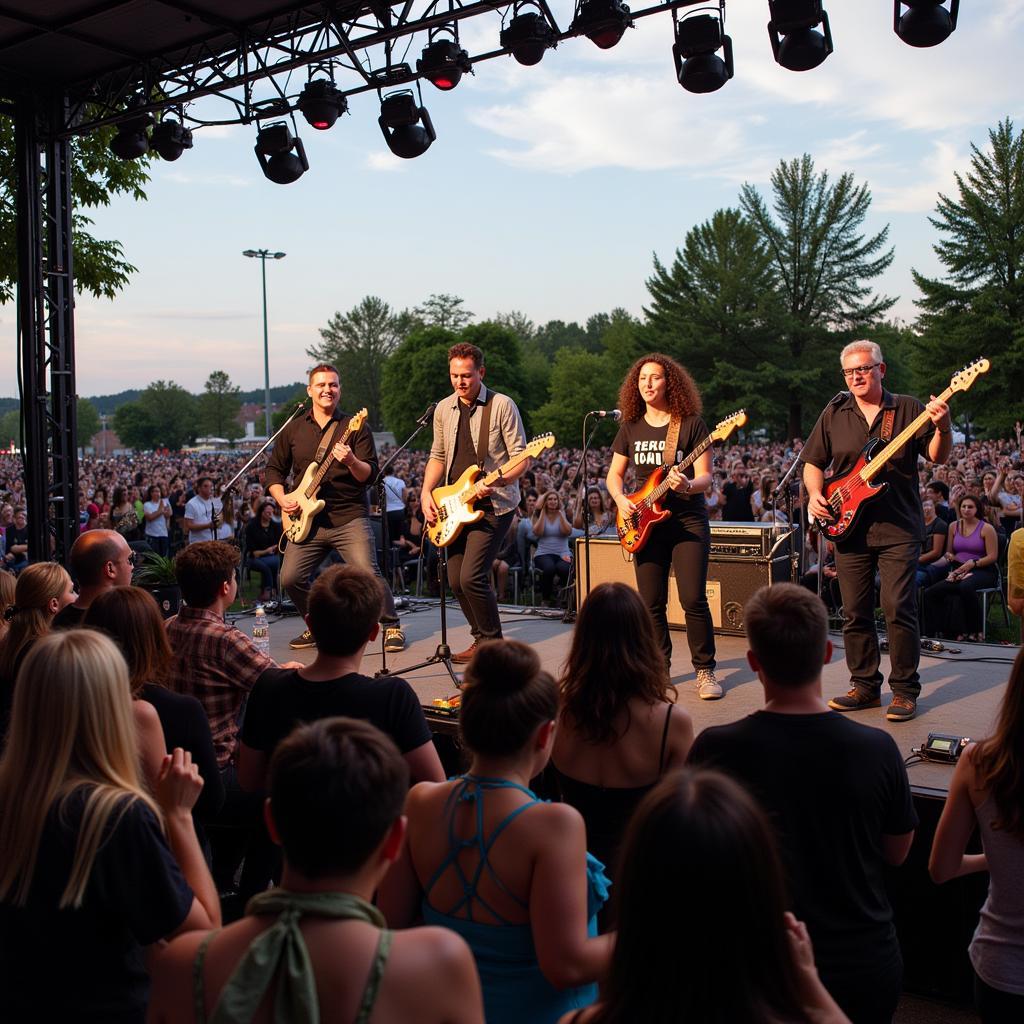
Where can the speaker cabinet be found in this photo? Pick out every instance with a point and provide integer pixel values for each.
(731, 582)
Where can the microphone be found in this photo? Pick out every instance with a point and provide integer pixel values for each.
(427, 414)
(612, 414)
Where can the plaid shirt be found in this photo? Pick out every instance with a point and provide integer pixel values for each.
(218, 665)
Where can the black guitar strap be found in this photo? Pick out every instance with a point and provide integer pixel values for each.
(325, 443)
(483, 439)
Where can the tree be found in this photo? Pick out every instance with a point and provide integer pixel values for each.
(443, 311)
(163, 417)
(556, 334)
(823, 265)
(279, 418)
(96, 176)
(88, 421)
(416, 374)
(580, 381)
(134, 427)
(218, 407)
(10, 428)
(359, 343)
(978, 308)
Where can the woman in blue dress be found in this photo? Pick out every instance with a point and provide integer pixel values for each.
(509, 872)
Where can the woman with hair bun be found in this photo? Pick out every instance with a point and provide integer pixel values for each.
(659, 401)
(505, 870)
(41, 590)
(699, 851)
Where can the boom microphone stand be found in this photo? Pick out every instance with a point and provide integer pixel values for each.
(794, 552)
(581, 472)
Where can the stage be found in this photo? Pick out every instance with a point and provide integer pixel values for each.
(960, 692)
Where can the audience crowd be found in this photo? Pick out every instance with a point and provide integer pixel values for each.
(160, 778)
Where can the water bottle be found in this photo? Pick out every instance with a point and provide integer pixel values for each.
(261, 632)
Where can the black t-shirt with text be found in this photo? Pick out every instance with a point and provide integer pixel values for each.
(644, 446)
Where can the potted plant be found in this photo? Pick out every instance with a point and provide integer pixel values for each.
(156, 574)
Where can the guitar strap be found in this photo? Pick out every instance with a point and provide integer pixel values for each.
(325, 443)
(888, 418)
(668, 457)
(483, 439)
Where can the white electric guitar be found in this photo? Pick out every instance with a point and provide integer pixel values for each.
(298, 523)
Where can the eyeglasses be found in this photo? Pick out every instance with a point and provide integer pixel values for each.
(859, 371)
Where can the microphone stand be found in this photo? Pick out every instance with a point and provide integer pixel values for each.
(581, 471)
(385, 538)
(794, 553)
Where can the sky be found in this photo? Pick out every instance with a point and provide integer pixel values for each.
(548, 190)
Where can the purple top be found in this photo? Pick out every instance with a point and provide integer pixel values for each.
(969, 547)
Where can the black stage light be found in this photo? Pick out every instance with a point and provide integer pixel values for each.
(927, 23)
(802, 47)
(274, 145)
(698, 66)
(399, 121)
(601, 21)
(527, 36)
(130, 141)
(170, 139)
(443, 63)
(321, 102)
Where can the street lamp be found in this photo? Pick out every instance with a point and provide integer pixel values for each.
(263, 255)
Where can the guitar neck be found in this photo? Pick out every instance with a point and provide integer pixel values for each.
(658, 493)
(327, 463)
(877, 464)
(494, 476)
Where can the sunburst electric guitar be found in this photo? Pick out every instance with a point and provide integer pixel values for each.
(455, 502)
(635, 528)
(846, 495)
(297, 524)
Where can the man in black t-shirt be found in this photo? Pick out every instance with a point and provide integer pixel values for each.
(887, 538)
(344, 608)
(837, 793)
(737, 494)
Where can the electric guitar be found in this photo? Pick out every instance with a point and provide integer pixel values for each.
(847, 494)
(455, 502)
(297, 524)
(635, 528)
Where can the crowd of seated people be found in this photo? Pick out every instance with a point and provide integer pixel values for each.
(138, 753)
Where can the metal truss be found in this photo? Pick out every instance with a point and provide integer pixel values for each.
(353, 44)
(46, 327)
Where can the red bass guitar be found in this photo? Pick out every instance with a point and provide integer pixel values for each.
(635, 528)
(849, 493)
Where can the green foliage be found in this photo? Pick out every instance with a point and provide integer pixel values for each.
(444, 311)
(278, 419)
(10, 428)
(977, 309)
(163, 417)
(503, 357)
(88, 421)
(359, 344)
(822, 266)
(415, 375)
(96, 176)
(556, 334)
(580, 381)
(218, 407)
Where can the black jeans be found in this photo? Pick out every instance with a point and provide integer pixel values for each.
(995, 1006)
(896, 564)
(681, 543)
(954, 608)
(470, 557)
(868, 999)
(551, 567)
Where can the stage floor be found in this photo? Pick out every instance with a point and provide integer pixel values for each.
(960, 692)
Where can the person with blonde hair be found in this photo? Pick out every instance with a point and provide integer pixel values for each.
(40, 592)
(92, 867)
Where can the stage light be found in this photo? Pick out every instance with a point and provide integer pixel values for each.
(443, 63)
(601, 21)
(274, 145)
(170, 139)
(399, 121)
(802, 46)
(698, 66)
(927, 23)
(527, 36)
(321, 102)
(131, 141)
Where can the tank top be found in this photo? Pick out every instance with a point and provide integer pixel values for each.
(280, 952)
(970, 546)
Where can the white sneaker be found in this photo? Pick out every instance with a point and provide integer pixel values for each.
(708, 687)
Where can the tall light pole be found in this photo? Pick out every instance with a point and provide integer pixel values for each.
(263, 255)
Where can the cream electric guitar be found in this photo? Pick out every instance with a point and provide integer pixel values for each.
(297, 524)
(455, 502)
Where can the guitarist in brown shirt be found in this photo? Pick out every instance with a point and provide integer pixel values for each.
(343, 525)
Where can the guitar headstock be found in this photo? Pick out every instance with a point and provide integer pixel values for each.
(964, 378)
(729, 424)
(537, 444)
(357, 421)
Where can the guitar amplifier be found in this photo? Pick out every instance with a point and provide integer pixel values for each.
(732, 579)
(752, 540)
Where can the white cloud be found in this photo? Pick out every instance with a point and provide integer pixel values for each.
(187, 178)
(915, 194)
(384, 160)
